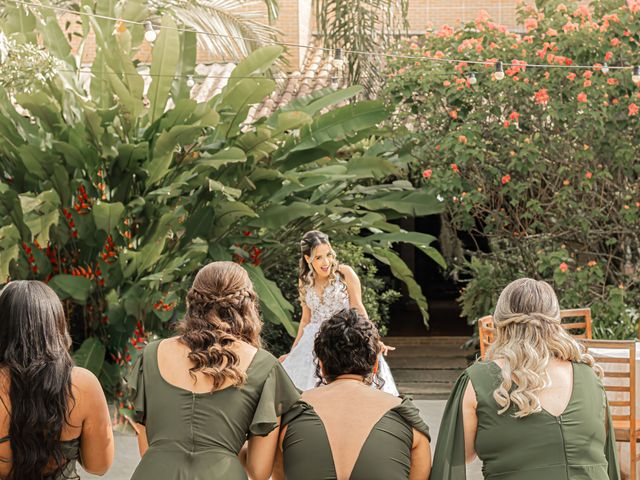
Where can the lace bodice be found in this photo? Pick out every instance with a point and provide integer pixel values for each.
(334, 298)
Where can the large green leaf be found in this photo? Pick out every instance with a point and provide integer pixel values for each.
(275, 306)
(165, 57)
(90, 355)
(258, 62)
(222, 158)
(107, 215)
(402, 272)
(70, 286)
(9, 249)
(416, 203)
(41, 213)
(236, 102)
(422, 241)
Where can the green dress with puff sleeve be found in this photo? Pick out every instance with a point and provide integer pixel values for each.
(576, 445)
(197, 436)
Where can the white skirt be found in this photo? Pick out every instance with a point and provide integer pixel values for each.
(300, 364)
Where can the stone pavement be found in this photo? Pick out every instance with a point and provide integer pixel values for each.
(127, 456)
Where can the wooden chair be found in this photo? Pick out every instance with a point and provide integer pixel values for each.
(485, 326)
(622, 394)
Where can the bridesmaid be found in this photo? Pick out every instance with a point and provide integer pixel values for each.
(52, 414)
(200, 395)
(345, 429)
(536, 409)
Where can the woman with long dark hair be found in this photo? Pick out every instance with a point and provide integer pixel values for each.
(325, 287)
(344, 428)
(200, 395)
(52, 414)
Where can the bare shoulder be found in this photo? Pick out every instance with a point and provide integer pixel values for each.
(87, 391)
(347, 272)
(84, 380)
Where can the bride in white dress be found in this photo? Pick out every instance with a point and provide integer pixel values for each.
(326, 287)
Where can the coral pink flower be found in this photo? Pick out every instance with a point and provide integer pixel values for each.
(588, 74)
(506, 124)
(552, 32)
(571, 76)
(563, 267)
(633, 109)
(588, 175)
(427, 173)
(615, 42)
(453, 114)
(462, 139)
(608, 56)
(582, 97)
(542, 97)
(455, 168)
(515, 116)
(587, 83)
(506, 179)
(612, 81)
(530, 24)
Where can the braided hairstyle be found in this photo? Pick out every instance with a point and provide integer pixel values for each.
(528, 335)
(222, 308)
(347, 343)
(310, 241)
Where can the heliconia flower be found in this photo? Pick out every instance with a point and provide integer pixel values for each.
(506, 179)
(427, 173)
(633, 109)
(563, 267)
(582, 97)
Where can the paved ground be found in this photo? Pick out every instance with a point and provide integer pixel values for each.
(127, 456)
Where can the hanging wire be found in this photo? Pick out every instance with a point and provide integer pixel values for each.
(297, 45)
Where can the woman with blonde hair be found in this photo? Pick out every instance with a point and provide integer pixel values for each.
(325, 287)
(200, 395)
(536, 409)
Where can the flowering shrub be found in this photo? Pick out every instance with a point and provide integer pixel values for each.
(539, 171)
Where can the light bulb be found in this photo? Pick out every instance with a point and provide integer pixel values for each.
(334, 82)
(605, 68)
(471, 77)
(190, 81)
(499, 75)
(338, 62)
(150, 34)
(636, 74)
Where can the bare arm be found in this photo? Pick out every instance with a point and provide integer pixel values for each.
(260, 455)
(141, 432)
(420, 457)
(470, 421)
(96, 438)
(304, 321)
(278, 467)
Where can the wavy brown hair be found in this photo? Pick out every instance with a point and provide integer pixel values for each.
(222, 309)
(347, 343)
(529, 335)
(34, 351)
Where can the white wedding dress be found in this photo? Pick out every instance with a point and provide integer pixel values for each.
(300, 364)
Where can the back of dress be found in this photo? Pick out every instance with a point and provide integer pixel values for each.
(576, 445)
(383, 454)
(198, 435)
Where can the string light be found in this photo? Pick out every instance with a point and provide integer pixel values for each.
(636, 74)
(190, 81)
(150, 34)
(338, 62)
(315, 47)
(499, 75)
(605, 68)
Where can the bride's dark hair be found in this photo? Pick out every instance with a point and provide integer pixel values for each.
(222, 308)
(34, 350)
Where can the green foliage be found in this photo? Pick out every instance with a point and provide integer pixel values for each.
(116, 197)
(542, 167)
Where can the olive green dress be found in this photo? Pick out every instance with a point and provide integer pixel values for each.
(576, 445)
(197, 436)
(385, 455)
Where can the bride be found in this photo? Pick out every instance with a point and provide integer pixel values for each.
(325, 287)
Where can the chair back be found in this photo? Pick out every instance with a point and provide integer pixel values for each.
(578, 329)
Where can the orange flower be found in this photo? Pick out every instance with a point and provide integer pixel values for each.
(633, 109)
(530, 24)
(588, 74)
(612, 81)
(542, 97)
(455, 168)
(586, 84)
(591, 263)
(462, 139)
(453, 113)
(566, 182)
(608, 56)
(615, 42)
(515, 116)
(446, 83)
(571, 76)
(506, 179)
(563, 267)
(427, 173)
(588, 175)
(506, 124)
(582, 97)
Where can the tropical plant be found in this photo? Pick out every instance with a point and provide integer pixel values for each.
(116, 196)
(366, 29)
(229, 29)
(539, 172)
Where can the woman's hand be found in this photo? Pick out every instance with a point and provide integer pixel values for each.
(384, 349)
